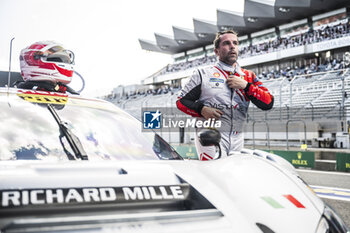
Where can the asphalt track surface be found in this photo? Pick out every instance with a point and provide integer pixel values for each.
(333, 188)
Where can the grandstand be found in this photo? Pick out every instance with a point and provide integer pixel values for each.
(299, 49)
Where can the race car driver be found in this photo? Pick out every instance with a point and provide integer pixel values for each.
(46, 66)
(223, 92)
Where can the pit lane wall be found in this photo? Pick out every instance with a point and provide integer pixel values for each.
(343, 162)
(298, 158)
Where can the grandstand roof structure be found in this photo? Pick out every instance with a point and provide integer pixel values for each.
(257, 15)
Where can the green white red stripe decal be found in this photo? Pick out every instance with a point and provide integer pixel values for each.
(294, 201)
(277, 204)
(272, 202)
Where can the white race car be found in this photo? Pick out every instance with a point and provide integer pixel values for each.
(74, 164)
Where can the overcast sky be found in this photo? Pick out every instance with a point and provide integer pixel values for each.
(103, 34)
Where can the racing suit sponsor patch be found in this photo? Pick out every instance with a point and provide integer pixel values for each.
(216, 82)
(216, 75)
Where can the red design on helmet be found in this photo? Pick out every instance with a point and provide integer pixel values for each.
(47, 61)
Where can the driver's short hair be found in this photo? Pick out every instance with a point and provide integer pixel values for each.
(218, 39)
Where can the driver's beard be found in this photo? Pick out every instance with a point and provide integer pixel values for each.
(229, 61)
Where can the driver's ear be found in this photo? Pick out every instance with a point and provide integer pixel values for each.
(216, 52)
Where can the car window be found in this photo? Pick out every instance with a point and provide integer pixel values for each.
(29, 131)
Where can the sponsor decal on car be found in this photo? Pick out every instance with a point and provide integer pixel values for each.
(44, 97)
(35, 197)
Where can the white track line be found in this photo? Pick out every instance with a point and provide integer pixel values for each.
(324, 172)
(332, 193)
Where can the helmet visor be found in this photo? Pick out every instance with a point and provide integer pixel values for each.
(58, 54)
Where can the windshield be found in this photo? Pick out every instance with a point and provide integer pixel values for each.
(29, 131)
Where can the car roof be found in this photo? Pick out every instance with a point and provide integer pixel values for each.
(57, 98)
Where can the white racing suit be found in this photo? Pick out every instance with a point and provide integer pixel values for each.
(208, 87)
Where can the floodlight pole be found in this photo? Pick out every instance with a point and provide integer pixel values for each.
(9, 76)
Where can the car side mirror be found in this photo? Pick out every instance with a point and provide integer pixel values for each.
(210, 137)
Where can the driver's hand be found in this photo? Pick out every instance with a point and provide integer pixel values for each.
(236, 82)
(210, 113)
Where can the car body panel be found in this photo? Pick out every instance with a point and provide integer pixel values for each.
(234, 185)
(247, 180)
